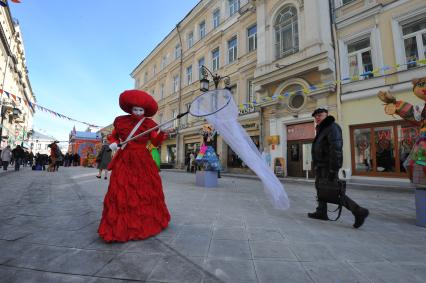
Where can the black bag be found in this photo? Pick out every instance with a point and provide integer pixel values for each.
(332, 192)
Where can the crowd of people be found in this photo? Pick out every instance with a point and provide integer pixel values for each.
(20, 156)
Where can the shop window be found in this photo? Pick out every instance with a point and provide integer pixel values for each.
(385, 157)
(234, 161)
(382, 149)
(171, 153)
(407, 136)
(363, 161)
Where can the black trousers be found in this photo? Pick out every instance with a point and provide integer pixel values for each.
(5, 164)
(322, 172)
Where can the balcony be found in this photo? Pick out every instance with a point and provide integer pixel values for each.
(247, 110)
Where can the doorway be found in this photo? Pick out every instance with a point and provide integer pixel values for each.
(298, 154)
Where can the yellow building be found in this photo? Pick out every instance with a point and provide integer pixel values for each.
(377, 39)
(220, 35)
(16, 93)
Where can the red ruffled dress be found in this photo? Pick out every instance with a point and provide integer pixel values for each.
(134, 206)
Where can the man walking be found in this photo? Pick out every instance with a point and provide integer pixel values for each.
(327, 158)
(18, 156)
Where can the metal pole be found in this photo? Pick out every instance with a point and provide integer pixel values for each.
(180, 94)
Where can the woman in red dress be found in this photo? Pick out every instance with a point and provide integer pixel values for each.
(134, 206)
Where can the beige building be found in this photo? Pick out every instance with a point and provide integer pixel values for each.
(295, 56)
(16, 93)
(221, 35)
(379, 44)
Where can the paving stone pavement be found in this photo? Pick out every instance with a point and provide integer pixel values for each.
(48, 224)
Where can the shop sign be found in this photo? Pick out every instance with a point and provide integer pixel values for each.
(305, 131)
(251, 126)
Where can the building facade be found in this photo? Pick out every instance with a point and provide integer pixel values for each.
(295, 59)
(39, 143)
(16, 95)
(382, 45)
(222, 36)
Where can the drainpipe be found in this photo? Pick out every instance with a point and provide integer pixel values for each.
(337, 60)
(179, 95)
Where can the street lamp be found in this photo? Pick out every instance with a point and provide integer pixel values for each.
(204, 82)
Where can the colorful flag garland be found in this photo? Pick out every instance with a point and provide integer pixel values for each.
(325, 85)
(44, 109)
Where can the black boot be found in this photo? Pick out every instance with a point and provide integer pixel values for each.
(318, 215)
(360, 215)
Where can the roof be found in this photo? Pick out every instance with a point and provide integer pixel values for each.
(39, 136)
(86, 135)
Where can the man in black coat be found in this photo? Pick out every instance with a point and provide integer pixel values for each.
(327, 157)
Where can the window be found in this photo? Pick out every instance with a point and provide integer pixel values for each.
(286, 32)
(174, 115)
(178, 51)
(153, 93)
(190, 39)
(162, 91)
(359, 58)
(232, 50)
(250, 91)
(296, 99)
(186, 117)
(252, 38)
(200, 65)
(381, 149)
(39, 146)
(414, 36)
(164, 62)
(202, 28)
(176, 83)
(154, 70)
(234, 6)
(189, 75)
(137, 83)
(160, 118)
(216, 18)
(215, 59)
(145, 77)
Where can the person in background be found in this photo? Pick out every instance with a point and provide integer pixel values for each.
(18, 155)
(103, 159)
(6, 155)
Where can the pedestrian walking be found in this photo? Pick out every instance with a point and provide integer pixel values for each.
(327, 157)
(6, 156)
(103, 159)
(31, 158)
(18, 155)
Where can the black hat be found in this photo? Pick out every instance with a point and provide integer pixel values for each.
(319, 110)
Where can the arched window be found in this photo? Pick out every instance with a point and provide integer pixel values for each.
(286, 32)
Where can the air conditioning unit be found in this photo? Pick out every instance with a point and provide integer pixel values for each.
(345, 173)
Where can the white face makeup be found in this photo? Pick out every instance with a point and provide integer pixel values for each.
(138, 111)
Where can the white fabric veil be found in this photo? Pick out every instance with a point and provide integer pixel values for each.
(224, 119)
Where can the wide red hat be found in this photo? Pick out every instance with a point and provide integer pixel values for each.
(139, 98)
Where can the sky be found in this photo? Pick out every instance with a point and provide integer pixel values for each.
(80, 54)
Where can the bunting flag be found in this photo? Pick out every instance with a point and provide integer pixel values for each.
(44, 109)
(16, 1)
(386, 70)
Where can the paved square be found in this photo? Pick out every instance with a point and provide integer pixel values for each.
(48, 224)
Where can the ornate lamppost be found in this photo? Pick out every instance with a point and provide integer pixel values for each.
(204, 82)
